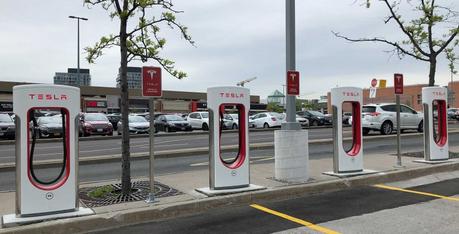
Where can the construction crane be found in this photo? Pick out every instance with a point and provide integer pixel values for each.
(245, 81)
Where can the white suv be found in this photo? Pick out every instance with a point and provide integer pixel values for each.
(199, 120)
(383, 118)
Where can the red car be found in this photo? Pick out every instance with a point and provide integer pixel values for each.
(95, 124)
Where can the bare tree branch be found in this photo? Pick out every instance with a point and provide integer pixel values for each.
(394, 44)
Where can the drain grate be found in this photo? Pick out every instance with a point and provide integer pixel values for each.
(140, 190)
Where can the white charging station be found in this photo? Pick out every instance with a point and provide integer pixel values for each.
(228, 175)
(41, 198)
(436, 150)
(347, 162)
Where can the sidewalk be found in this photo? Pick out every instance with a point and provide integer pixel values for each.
(192, 202)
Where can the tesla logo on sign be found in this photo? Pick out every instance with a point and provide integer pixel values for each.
(232, 95)
(398, 83)
(351, 94)
(151, 82)
(441, 94)
(293, 83)
(48, 97)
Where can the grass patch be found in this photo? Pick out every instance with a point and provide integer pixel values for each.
(101, 191)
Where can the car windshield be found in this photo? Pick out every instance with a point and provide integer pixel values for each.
(5, 118)
(137, 119)
(316, 113)
(48, 120)
(205, 115)
(368, 109)
(174, 118)
(95, 117)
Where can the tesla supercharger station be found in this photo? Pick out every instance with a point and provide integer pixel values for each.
(436, 150)
(39, 198)
(228, 175)
(347, 162)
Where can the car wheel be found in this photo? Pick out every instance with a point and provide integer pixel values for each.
(421, 126)
(315, 123)
(234, 126)
(205, 127)
(386, 128)
(119, 133)
(266, 125)
(42, 135)
(366, 131)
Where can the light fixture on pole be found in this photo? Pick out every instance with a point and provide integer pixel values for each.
(78, 42)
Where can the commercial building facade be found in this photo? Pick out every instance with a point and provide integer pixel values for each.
(108, 100)
(72, 78)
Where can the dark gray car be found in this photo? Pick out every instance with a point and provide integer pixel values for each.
(50, 126)
(7, 127)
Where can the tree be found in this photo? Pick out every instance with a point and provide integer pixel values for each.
(433, 32)
(274, 107)
(141, 42)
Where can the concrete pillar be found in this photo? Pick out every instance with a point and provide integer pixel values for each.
(291, 155)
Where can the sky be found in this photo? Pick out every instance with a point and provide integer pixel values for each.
(234, 40)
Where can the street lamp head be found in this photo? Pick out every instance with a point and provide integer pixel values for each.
(76, 17)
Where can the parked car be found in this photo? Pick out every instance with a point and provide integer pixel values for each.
(137, 125)
(303, 121)
(49, 126)
(7, 127)
(382, 118)
(347, 118)
(453, 113)
(267, 120)
(95, 124)
(229, 122)
(315, 118)
(114, 119)
(171, 123)
(199, 120)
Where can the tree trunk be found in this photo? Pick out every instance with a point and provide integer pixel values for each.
(433, 68)
(125, 151)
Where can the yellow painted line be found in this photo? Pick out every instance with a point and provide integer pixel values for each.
(415, 192)
(295, 220)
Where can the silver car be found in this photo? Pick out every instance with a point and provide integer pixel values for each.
(382, 118)
(137, 125)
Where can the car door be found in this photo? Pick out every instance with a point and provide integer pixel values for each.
(192, 119)
(408, 117)
(260, 120)
(160, 122)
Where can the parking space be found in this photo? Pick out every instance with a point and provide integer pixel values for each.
(430, 208)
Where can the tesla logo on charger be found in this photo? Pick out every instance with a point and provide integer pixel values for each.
(48, 97)
(232, 95)
(439, 93)
(351, 94)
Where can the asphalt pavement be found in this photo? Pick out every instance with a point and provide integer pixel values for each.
(429, 208)
(52, 150)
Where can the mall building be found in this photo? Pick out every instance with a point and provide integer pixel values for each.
(108, 100)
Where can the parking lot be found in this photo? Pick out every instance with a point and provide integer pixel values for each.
(400, 208)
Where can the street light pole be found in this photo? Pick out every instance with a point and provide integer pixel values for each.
(78, 43)
(291, 123)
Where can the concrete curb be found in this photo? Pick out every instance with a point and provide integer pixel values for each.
(148, 214)
(185, 152)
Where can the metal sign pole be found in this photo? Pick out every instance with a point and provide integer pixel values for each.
(151, 194)
(399, 147)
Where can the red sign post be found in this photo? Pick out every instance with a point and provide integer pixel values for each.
(293, 83)
(151, 82)
(398, 83)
